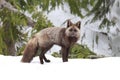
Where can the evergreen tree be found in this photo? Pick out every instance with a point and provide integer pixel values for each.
(13, 17)
(99, 8)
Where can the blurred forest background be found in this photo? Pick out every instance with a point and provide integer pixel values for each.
(20, 18)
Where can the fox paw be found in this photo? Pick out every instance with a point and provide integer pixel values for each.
(47, 61)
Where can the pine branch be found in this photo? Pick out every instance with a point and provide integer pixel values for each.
(5, 4)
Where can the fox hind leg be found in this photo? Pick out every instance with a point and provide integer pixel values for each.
(42, 55)
(46, 60)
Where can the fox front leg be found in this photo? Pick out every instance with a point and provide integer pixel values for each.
(65, 53)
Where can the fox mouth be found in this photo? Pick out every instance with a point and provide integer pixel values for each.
(73, 39)
(72, 35)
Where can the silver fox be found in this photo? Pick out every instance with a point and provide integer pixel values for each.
(46, 38)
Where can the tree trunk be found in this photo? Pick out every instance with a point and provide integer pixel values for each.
(10, 43)
(11, 49)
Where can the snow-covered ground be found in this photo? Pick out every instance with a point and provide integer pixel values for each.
(76, 69)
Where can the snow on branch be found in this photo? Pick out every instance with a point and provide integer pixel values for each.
(5, 4)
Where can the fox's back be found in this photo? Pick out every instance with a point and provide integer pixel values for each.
(49, 35)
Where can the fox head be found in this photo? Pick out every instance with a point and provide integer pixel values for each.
(73, 30)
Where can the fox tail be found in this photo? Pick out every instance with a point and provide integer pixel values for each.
(30, 50)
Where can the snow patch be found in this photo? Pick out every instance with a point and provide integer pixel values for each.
(76, 69)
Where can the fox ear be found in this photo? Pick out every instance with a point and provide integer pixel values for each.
(78, 24)
(69, 23)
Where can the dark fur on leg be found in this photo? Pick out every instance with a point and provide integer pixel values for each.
(65, 52)
(46, 60)
(42, 54)
(42, 57)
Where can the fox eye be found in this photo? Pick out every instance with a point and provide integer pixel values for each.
(75, 30)
(70, 30)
